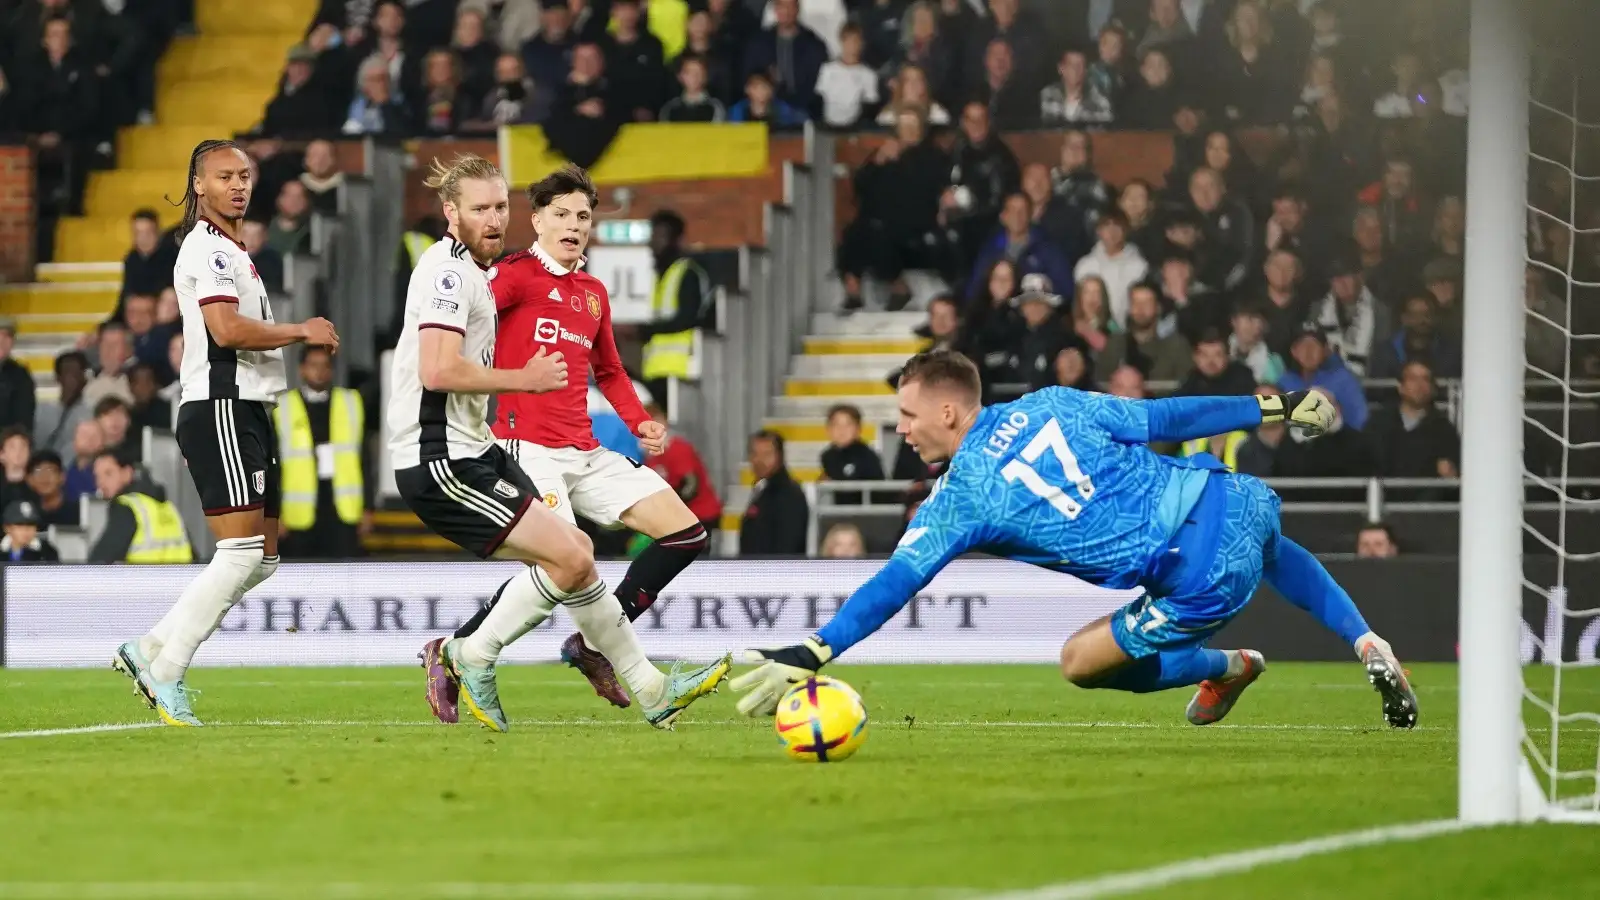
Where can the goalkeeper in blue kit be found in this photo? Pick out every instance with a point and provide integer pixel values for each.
(1063, 479)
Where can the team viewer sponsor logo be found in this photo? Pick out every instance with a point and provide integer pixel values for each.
(549, 331)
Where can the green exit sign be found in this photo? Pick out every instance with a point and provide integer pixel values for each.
(622, 232)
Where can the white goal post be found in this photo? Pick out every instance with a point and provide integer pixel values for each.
(1509, 772)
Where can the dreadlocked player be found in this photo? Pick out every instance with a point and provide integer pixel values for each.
(232, 373)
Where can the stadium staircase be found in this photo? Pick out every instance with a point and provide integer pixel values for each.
(209, 85)
(845, 359)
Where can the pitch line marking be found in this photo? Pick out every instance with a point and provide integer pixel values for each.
(183, 890)
(86, 729)
(1228, 863)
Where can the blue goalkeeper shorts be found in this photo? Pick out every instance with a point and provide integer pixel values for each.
(1207, 572)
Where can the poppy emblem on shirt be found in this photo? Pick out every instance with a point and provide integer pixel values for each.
(594, 303)
(577, 305)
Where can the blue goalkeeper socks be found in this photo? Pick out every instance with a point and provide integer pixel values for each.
(1167, 669)
(1303, 581)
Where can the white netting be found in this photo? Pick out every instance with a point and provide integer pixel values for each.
(1562, 432)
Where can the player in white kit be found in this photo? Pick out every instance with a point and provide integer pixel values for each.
(464, 486)
(231, 376)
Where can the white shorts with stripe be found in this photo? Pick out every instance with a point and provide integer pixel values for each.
(473, 502)
(598, 484)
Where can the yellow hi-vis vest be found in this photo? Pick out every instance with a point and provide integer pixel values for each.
(416, 243)
(672, 355)
(158, 536)
(298, 458)
(1230, 448)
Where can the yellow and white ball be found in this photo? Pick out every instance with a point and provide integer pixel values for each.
(821, 719)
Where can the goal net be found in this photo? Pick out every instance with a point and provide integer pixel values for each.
(1559, 777)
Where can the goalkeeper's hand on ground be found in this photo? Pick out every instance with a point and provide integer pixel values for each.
(1308, 411)
(775, 671)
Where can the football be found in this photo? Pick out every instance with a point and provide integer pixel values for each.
(821, 719)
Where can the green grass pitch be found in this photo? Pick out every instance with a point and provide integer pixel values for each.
(333, 783)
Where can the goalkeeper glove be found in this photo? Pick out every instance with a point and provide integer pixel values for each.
(1308, 411)
(775, 671)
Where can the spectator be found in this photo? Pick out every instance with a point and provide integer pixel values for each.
(323, 181)
(703, 41)
(115, 417)
(1442, 280)
(1229, 229)
(1248, 344)
(680, 465)
(1116, 263)
(1004, 90)
(173, 392)
(1075, 180)
(87, 442)
(1410, 90)
(776, 520)
(149, 409)
(1376, 540)
(1192, 308)
(167, 312)
(993, 324)
(1257, 454)
(149, 340)
(1025, 244)
(61, 106)
(1154, 98)
(1282, 302)
(1412, 438)
(116, 355)
(48, 482)
(508, 23)
(1073, 100)
(1108, 74)
(1136, 201)
(18, 400)
(141, 526)
(1355, 322)
(789, 54)
(1157, 358)
(1073, 368)
(376, 111)
(1386, 273)
(920, 39)
(547, 56)
(1250, 79)
(477, 55)
(636, 64)
(843, 541)
(908, 92)
(984, 173)
(445, 106)
(1168, 29)
(1062, 224)
(1418, 340)
(268, 262)
(694, 104)
(1288, 229)
(1214, 373)
(897, 203)
(1026, 58)
(1091, 313)
(22, 542)
(16, 449)
(1321, 80)
(513, 99)
(290, 230)
(56, 422)
(385, 43)
(1313, 365)
(1339, 452)
(847, 86)
(1449, 237)
(943, 327)
(1126, 382)
(760, 105)
(147, 268)
(301, 105)
(847, 457)
(1042, 339)
(1398, 206)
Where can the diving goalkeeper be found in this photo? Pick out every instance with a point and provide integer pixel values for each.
(1063, 479)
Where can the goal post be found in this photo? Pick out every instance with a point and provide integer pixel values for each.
(1490, 696)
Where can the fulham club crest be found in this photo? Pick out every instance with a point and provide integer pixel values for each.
(505, 490)
(260, 479)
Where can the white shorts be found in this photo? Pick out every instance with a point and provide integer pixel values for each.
(598, 484)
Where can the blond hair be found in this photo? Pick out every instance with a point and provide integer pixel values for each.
(446, 179)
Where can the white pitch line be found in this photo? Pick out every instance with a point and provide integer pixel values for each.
(86, 729)
(1229, 863)
(182, 890)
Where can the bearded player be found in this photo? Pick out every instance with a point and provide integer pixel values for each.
(547, 301)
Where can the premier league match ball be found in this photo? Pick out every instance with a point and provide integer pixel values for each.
(821, 719)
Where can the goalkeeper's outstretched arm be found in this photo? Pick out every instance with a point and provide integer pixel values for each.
(1179, 419)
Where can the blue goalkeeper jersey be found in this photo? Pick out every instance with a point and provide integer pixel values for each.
(1060, 478)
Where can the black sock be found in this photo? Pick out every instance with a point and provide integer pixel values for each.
(657, 565)
(471, 625)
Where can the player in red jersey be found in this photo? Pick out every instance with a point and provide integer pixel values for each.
(547, 301)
